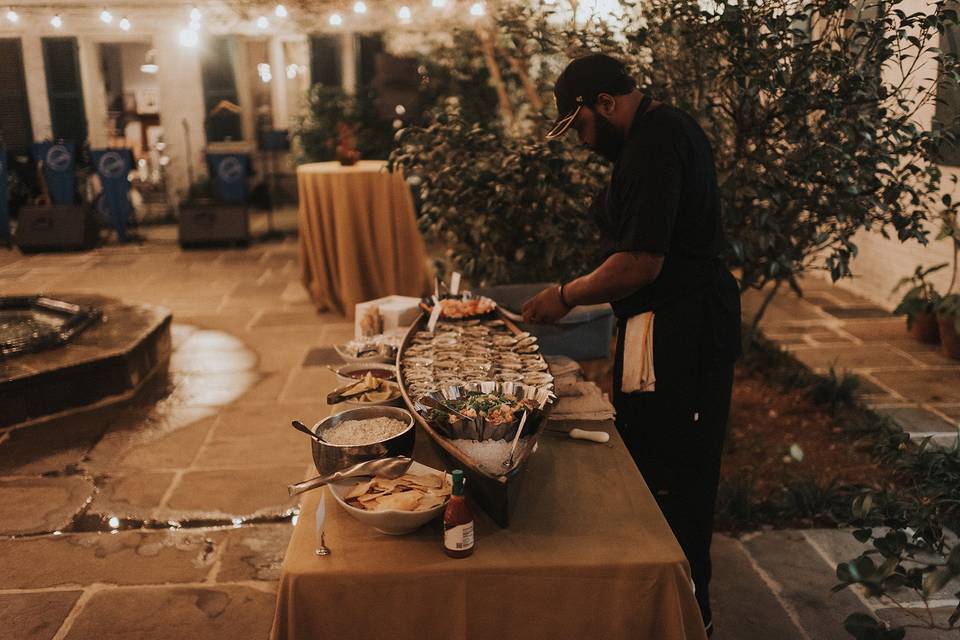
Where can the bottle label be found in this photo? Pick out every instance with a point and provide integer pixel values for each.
(459, 537)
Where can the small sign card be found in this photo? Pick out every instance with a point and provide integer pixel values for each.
(455, 283)
(434, 315)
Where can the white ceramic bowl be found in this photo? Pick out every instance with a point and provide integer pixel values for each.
(342, 372)
(391, 522)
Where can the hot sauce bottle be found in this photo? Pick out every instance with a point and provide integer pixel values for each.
(458, 538)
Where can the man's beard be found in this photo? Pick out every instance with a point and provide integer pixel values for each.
(609, 139)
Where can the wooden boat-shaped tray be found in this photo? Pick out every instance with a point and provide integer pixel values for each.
(496, 494)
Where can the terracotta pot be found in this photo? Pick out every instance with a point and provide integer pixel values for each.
(949, 339)
(924, 327)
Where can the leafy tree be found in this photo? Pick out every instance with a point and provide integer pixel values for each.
(326, 107)
(812, 111)
(811, 108)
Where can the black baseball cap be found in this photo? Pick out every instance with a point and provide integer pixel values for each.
(582, 81)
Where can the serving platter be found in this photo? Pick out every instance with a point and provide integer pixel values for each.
(497, 494)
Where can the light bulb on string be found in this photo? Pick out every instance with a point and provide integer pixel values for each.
(359, 6)
(438, 4)
(335, 20)
(105, 16)
(124, 24)
(56, 21)
(477, 9)
(262, 22)
(189, 38)
(280, 11)
(12, 15)
(404, 14)
(195, 15)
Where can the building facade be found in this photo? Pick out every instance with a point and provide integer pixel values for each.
(170, 80)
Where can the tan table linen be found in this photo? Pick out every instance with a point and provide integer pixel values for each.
(358, 235)
(588, 555)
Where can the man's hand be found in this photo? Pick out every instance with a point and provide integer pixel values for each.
(545, 308)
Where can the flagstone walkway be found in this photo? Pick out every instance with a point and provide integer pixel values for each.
(166, 518)
(911, 382)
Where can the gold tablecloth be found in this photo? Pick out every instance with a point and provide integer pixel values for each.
(587, 555)
(358, 235)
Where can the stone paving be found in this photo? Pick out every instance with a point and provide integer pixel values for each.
(911, 382)
(167, 518)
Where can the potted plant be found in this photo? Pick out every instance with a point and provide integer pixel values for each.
(920, 304)
(948, 309)
(948, 317)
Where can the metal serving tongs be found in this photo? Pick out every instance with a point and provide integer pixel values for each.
(384, 467)
(508, 463)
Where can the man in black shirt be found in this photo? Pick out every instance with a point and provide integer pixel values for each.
(660, 222)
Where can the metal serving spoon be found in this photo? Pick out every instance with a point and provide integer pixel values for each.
(299, 426)
(385, 467)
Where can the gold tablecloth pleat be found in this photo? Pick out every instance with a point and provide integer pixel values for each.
(587, 555)
(358, 235)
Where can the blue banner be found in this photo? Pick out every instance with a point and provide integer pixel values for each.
(113, 168)
(4, 195)
(59, 159)
(229, 172)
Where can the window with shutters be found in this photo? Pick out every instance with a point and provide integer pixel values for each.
(947, 115)
(325, 61)
(222, 105)
(64, 90)
(15, 130)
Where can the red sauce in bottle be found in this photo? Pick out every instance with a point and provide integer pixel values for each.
(458, 538)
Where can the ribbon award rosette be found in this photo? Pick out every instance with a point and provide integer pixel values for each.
(229, 172)
(113, 168)
(59, 159)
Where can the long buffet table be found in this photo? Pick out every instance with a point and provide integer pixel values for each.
(587, 555)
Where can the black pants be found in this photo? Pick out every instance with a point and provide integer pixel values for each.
(675, 435)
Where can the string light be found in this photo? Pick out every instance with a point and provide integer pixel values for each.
(56, 21)
(12, 15)
(359, 6)
(280, 11)
(404, 14)
(292, 70)
(189, 38)
(195, 15)
(477, 9)
(105, 16)
(265, 73)
(335, 20)
(262, 22)
(438, 4)
(124, 24)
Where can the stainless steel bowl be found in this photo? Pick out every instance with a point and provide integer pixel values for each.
(333, 457)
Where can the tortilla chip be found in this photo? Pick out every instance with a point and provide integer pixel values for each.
(359, 489)
(426, 481)
(406, 501)
(430, 501)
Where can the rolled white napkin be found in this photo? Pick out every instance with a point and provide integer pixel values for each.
(638, 372)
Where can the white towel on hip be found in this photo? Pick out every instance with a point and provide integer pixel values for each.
(638, 372)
